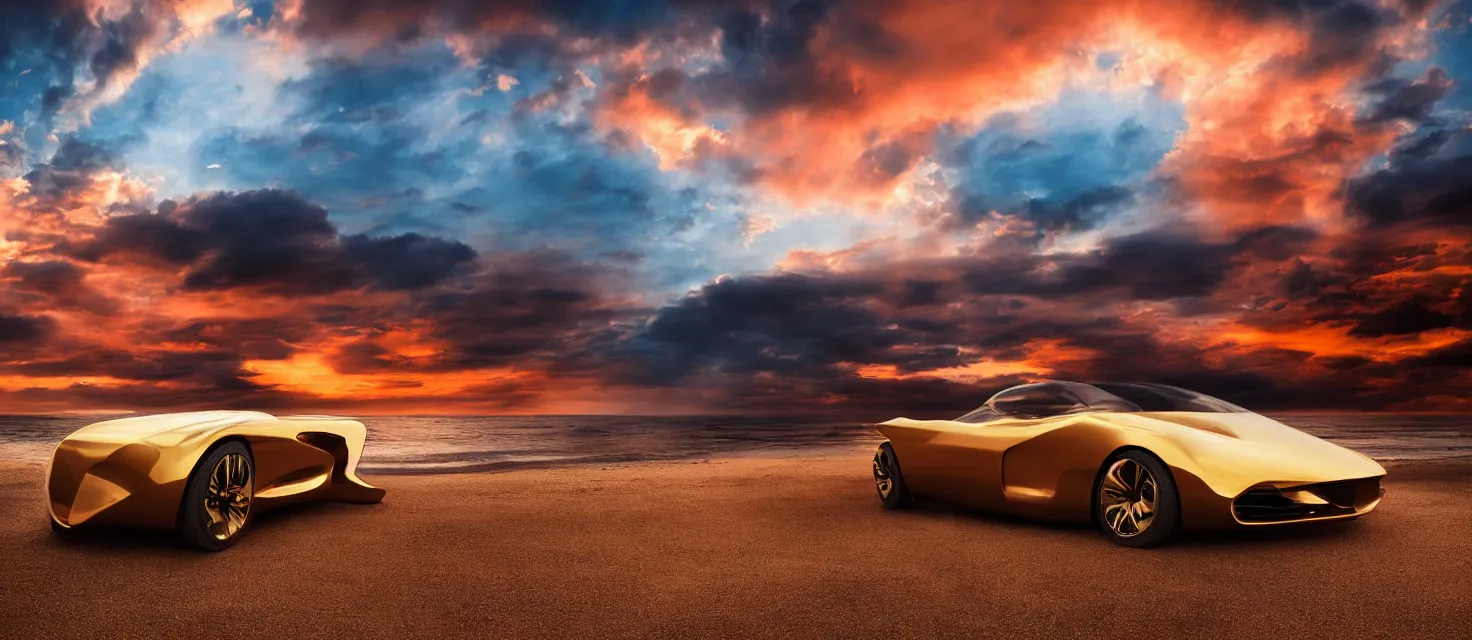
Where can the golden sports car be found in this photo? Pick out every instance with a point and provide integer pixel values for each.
(1143, 461)
(203, 474)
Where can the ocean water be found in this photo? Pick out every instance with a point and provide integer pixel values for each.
(440, 444)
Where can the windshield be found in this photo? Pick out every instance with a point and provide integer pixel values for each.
(982, 413)
(1044, 399)
(1053, 398)
(1162, 397)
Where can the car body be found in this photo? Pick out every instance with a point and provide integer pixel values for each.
(1042, 450)
(134, 472)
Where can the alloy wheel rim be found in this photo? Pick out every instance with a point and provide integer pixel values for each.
(227, 501)
(1127, 498)
(883, 473)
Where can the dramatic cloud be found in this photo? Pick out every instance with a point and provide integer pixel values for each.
(1435, 193)
(770, 205)
(273, 240)
(18, 328)
(88, 52)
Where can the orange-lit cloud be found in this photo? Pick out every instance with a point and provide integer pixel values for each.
(1301, 241)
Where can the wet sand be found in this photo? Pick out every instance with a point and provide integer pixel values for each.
(745, 547)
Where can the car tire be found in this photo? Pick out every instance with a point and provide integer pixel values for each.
(218, 497)
(1135, 500)
(60, 529)
(888, 480)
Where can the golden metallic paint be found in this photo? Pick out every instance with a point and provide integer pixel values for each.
(1045, 468)
(132, 472)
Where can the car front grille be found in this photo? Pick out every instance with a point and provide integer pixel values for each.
(1269, 504)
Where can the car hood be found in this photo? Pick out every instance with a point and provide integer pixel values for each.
(146, 428)
(1252, 448)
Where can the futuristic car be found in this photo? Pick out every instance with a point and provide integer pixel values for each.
(204, 474)
(1143, 461)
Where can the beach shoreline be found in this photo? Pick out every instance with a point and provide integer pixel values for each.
(492, 444)
(748, 546)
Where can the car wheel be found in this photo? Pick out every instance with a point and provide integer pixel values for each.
(59, 528)
(888, 480)
(217, 499)
(1136, 503)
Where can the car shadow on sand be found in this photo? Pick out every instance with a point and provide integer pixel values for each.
(113, 539)
(1269, 536)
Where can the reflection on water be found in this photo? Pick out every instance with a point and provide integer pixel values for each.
(439, 444)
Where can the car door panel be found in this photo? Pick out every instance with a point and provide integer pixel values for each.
(970, 459)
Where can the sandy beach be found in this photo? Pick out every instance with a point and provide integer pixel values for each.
(739, 547)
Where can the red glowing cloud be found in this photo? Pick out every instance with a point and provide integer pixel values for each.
(1298, 239)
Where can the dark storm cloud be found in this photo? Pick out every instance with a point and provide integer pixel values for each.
(76, 155)
(118, 43)
(770, 65)
(1303, 280)
(212, 369)
(269, 338)
(1274, 243)
(621, 21)
(1455, 356)
(405, 262)
(1410, 100)
(16, 327)
(53, 284)
(33, 347)
(538, 303)
(1420, 146)
(214, 366)
(1077, 213)
(53, 276)
(148, 378)
(1374, 284)
(275, 240)
(1080, 212)
(810, 331)
(532, 311)
(1435, 192)
(367, 357)
(887, 161)
(1341, 32)
(792, 325)
(1156, 265)
(1411, 316)
(539, 52)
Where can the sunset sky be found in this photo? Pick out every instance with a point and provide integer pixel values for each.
(614, 206)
